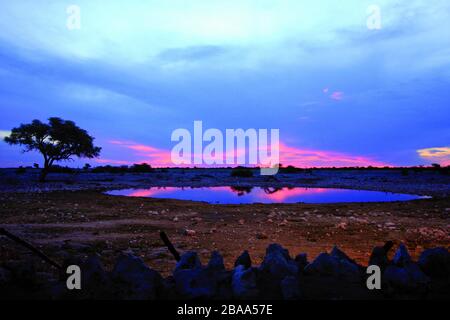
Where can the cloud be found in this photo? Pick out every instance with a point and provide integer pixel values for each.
(4, 133)
(436, 154)
(192, 53)
(141, 154)
(289, 155)
(337, 95)
(115, 162)
(301, 157)
(134, 146)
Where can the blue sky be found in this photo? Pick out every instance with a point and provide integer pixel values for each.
(137, 70)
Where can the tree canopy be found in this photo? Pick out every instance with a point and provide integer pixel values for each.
(57, 140)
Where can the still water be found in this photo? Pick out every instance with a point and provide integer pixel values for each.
(242, 195)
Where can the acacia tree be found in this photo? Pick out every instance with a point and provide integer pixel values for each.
(59, 140)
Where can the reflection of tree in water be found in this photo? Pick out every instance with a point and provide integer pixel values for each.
(269, 190)
(246, 190)
(241, 190)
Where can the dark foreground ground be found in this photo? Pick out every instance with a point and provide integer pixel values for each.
(76, 219)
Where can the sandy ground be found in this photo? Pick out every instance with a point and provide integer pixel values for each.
(64, 223)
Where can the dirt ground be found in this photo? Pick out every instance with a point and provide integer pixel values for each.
(67, 223)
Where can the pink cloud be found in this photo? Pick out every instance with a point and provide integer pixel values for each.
(289, 155)
(305, 158)
(141, 154)
(142, 148)
(282, 195)
(337, 95)
(110, 161)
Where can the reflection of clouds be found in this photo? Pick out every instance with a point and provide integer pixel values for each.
(242, 195)
(280, 195)
(167, 190)
(268, 194)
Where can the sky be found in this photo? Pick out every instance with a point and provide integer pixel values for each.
(341, 93)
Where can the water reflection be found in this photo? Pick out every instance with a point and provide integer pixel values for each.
(241, 195)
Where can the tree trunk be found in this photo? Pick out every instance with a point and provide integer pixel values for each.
(44, 172)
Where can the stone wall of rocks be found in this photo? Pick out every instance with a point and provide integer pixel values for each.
(331, 275)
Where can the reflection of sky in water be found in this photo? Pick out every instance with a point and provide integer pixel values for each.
(237, 195)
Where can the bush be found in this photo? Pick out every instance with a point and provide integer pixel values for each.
(290, 169)
(242, 172)
(61, 169)
(110, 169)
(136, 168)
(141, 168)
(21, 170)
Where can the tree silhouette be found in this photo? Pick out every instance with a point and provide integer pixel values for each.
(59, 140)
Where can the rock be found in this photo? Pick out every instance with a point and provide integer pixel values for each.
(324, 264)
(187, 284)
(22, 272)
(401, 257)
(340, 255)
(5, 276)
(406, 278)
(95, 282)
(189, 232)
(435, 262)
(290, 288)
(336, 264)
(189, 260)
(396, 276)
(136, 280)
(216, 262)
(241, 221)
(244, 283)
(302, 261)
(93, 271)
(261, 235)
(276, 266)
(341, 225)
(379, 256)
(275, 249)
(192, 281)
(244, 260)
